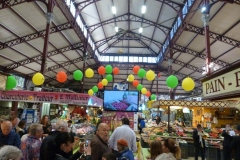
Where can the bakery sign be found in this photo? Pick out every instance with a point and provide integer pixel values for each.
(49, 97)
(222, 85)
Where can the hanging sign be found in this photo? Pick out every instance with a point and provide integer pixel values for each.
(222, 84)
(49, 97)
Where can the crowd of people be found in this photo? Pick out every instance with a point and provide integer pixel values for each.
(41, 143)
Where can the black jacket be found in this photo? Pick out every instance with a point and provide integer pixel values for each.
(48, 149)
(235, 146)
(227, 139)
(196, 139)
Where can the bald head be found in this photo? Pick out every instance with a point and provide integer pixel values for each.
(103, 130)
(6, 127)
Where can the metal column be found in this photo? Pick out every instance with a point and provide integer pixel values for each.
(49, 16)
(170, 60)
(206, 18)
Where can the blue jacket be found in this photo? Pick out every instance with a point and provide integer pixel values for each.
(126, 155)
(142, 123)
(12, 139)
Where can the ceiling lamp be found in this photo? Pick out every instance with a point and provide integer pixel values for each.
(114, 10)
(140, 30)
(144, 9)
(116, 29)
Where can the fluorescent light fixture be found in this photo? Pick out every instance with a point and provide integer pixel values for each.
(175, 107)
(140, 30)
(203, 9)
(114, 10)
(116, 29)
(144, 9)
(186, 110)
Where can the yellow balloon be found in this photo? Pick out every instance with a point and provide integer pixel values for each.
(89, 73)
(143, 90)
(104, 82)
(90, 92)
(188, 84)
(38, 79)
(131, 78)
(150, 75)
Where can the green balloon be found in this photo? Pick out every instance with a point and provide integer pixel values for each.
(11, 83)
(95, 89)
(141, 73)
(139, 87)
(78, 75)
(109, 77)
(172, 81)
(108, 69)
(153, 97)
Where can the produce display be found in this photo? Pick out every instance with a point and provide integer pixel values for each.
(83, 129)
(157, 133)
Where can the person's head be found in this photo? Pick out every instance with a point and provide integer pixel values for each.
(156, 149)
(238, 129)
(199, 127)
(22, 124)
(36, 130)
(45, 119)
(122, 145)
(10, 153)
(61, 126)
(170, 145)
(102, 131)
(125, 121)
(69, 123)
(64, 141)
(109, 156)
(228, 126)
(14, 120)
(6, 127)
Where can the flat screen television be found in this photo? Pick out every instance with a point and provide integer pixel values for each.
(121, 101)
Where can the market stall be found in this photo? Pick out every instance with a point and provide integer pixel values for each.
(202, 112)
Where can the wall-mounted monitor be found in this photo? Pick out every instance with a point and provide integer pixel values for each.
(121, 101)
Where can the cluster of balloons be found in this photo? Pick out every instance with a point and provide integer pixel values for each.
(11, 83)
(108, 70)
(187, 84)
(150, 75)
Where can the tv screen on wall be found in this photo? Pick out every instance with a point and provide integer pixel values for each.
(120, 101)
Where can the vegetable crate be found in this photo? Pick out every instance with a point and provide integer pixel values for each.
(212, 153)
(191, 151)
(184, 150)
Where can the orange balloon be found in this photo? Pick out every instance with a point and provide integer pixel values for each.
(159, 75)
(148, 94)
(136, 69)
(100, 85)
(115, 70)
(101, 70)
(135, 83)
(61, 77)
